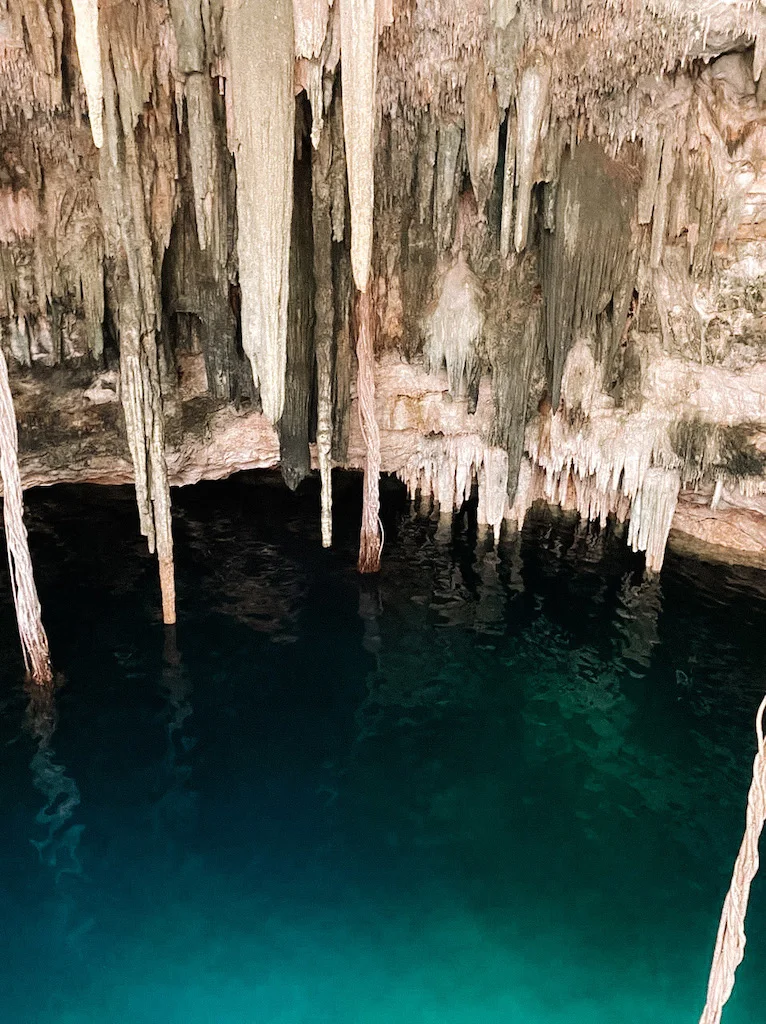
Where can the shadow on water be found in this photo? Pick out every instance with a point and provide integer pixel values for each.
(490, 784)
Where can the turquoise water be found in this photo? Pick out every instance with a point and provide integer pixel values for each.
(490, 786)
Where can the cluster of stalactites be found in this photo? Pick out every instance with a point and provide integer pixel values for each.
(601, 461)
(446, 470)
(586, 261)
(453, 330)
(51, 249)
(136, 160)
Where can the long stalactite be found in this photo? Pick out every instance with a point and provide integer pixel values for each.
(370, 535)
(359, 49)
(259, 50)
(136, 301)
(323, 323)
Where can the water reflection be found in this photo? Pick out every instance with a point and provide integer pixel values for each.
(370, 610)
(58, 850)
(638, 611)
(174, 812)
(480, 763)
(490, 604)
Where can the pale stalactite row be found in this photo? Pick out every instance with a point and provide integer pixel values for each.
(446, 470)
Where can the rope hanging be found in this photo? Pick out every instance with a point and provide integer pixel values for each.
(730, 941)
(34, 642)
(369, 540)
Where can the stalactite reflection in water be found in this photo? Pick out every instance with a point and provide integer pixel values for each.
(638, 612)
(175, 808)
(370, 609)
(490, 607)
(59, 849)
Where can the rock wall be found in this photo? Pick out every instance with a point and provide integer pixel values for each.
(556, 214)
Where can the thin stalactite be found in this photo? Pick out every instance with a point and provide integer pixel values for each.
(370, 537)
(294, 426)
(323, 322)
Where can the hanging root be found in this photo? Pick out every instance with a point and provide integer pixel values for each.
(34, 642)
(369, 540)
(730, 941)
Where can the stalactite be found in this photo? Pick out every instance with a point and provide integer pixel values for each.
(426, 168)
(260, 53)
(513, 359)
(197, 306)
(482, 122)
(338, 170)
(701, 236)
(323, 323)
(144, 421)
(34, 641)
(343, 288)
(445, 468)
(89, 52)
(447, 183)
(359, 50)
(370, 538)
(135, 295)
(293, 426)
(454, 328)
(647, 193)
(495, 487)
(585, 260)
(203, 149)
(531, 105)
(603, 464)
(612, 334)
(310, 18)
(652, 513)
(660, 219)
(509, 174)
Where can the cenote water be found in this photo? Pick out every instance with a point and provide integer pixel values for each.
(489, 786)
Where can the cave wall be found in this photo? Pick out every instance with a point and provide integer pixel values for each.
(556, 214)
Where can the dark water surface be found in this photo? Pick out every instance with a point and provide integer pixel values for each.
(487, 787)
